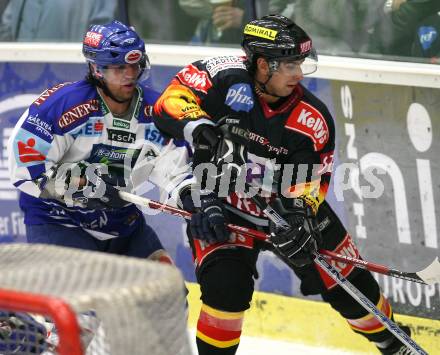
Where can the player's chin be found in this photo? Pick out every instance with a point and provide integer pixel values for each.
(127, 89)
(288, 90)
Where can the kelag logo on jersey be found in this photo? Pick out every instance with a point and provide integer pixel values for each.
(92, 128)
(239, 97)
(121, 136)
(121, 124)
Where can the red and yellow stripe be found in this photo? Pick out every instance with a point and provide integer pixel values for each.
(313, 193)
(218, 328)
(369, 324)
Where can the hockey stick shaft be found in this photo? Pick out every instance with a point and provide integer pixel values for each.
(318, 258)
(369, 306)
(410, 276)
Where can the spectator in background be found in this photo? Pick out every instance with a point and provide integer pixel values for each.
(221, 21)
(427, 41)
(160, 21)
(53, 20)
(338, 27)
(406, 28)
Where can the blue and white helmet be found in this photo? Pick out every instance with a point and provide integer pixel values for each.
(113, 44)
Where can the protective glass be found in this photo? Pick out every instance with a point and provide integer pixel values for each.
(307, 66)
(125, 74)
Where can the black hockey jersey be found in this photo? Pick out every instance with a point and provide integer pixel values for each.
(291, 147)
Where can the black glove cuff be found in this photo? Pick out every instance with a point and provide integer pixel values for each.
(205, 134)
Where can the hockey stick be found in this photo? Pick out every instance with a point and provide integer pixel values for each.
(319, 259)
(428, 276)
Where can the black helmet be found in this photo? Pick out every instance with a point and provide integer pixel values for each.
(276, 37)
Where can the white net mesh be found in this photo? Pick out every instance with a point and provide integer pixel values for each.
(123, 305)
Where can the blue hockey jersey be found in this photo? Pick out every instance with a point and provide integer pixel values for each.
(70, 123)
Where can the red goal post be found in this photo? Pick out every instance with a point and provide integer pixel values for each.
(59, 311)
(64, 301)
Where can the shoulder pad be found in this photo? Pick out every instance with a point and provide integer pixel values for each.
(49, 92)
(195, 78)
(217, 64)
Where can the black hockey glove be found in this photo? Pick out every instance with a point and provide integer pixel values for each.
(231, 153)
(207, 222)
(225, 146)
(205, 138)
(299, 242)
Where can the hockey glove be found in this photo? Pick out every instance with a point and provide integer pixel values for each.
(84, 185)
(205, 139)
(207, 222)
(99, 190)
(231, 153)
(299, 242)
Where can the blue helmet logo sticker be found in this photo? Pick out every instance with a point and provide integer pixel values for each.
(427, 36)
(240, 97)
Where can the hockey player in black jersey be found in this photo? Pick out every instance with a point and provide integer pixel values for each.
(290, 133)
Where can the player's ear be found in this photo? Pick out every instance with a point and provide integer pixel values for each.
(262, 66)
(95, 71)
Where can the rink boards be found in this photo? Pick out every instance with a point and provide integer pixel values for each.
(313, 323)
(385, 185)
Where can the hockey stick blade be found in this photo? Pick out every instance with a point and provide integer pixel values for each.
(430, 274)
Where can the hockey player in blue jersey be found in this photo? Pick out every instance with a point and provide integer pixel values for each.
(78, 143)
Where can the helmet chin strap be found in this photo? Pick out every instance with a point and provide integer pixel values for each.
(263, 88)
(101, 84)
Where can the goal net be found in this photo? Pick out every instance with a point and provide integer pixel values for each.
(56, 300)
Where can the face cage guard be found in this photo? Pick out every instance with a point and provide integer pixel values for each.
(144, 71)
(308, 66)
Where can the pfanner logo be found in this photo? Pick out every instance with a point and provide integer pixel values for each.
(46, 93)
(78, 112)
(195, 78)
(240, 97)
(307, 120)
